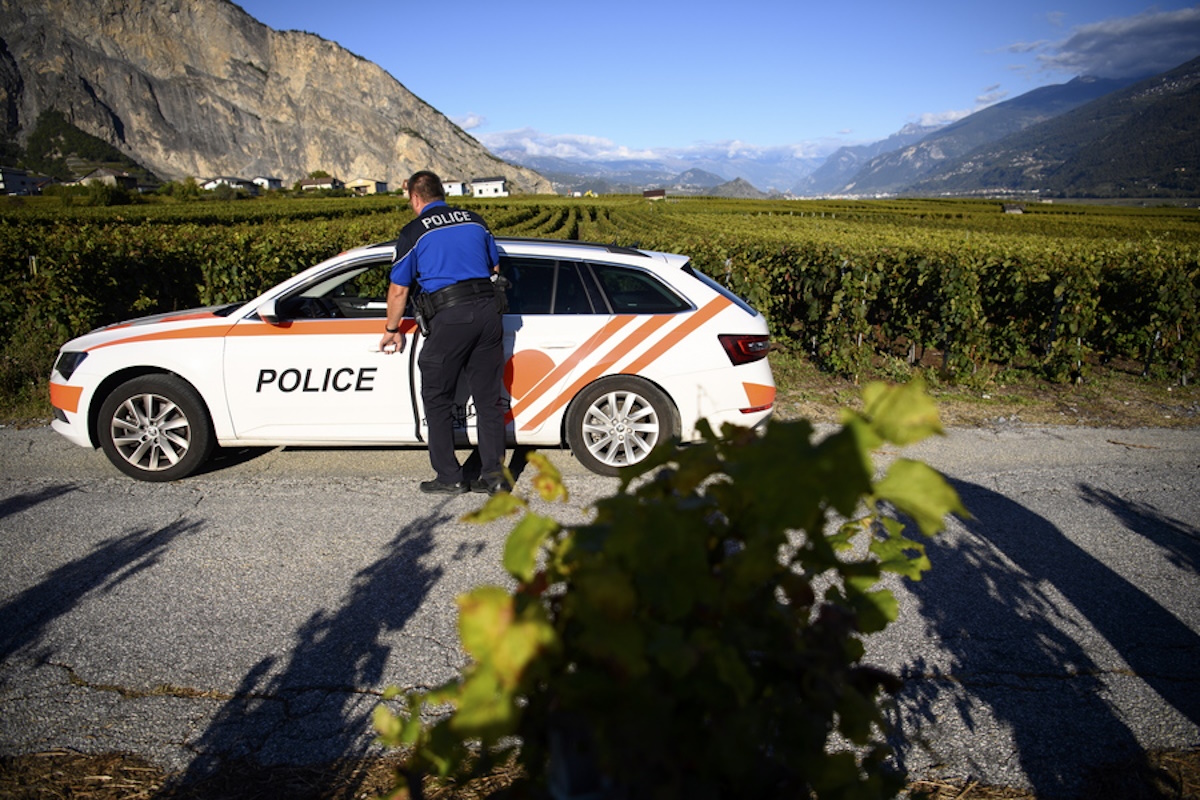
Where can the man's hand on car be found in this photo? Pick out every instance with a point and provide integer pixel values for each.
(392, 342)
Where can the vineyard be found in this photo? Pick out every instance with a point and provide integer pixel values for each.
(955, 285)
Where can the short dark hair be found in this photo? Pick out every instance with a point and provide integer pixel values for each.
(426, 185)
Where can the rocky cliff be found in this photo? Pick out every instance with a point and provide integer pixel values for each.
(200, 88)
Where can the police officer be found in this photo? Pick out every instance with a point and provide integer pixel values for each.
(450, 256)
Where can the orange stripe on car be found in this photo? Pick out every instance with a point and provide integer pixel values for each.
(251, 328)
(599, 368)
(559, 372)
(134, 323)
(64, 397)
(694, 321)
(759, 395)
(209, 332)
(644, 331)
(319, 327)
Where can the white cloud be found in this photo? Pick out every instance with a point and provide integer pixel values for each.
(1027, 47)
(576, 147)
(991, 95)
(943, 117)
(737, 149)
(1127, 47)
(469, 121)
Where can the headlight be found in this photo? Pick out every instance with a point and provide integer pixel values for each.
(68, 362)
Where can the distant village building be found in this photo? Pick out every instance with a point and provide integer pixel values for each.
(454, 188)
(109, 177)
(268, 183)
(655, 194)
(311, 184)
(1013, 208)
(489, 187)
(367, 186)
(250, 187)
(17, 181)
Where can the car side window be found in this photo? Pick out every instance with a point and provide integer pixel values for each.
(531, 284)
(632, 291)
(546, 286)
(357, 292)
(570, 297)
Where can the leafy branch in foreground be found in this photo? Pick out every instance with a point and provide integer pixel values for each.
(702, 637)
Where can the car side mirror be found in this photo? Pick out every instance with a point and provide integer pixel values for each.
(268, 313)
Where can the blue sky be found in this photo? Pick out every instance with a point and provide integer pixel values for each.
(638, 78)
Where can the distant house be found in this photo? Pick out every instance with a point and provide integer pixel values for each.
(40, 182)
(1013, 208)
(16, 181)
(454, 188)
(267, 183)
(367, 186)
(250, 187)
(311, 184)
(489, 187)
(109, 177)
(655, 194)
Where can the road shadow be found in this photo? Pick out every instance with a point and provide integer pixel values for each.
(1179, 541)
(994, 602)
(24, 617)
(227, 457)
(22, 502)
(312, 705)
(517, 463)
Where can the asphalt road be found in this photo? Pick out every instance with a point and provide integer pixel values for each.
(258, 609)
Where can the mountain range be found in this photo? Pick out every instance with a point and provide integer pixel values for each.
(200, 88)
(1088, 137)
(897, 170)
(1140, 141)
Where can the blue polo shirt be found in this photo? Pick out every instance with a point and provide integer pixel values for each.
(443, 246)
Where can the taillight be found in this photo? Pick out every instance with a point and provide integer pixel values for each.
(742, 348)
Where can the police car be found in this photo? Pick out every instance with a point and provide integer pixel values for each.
(610, 351)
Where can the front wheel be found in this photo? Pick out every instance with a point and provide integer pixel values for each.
(616, 422)
(155, 428)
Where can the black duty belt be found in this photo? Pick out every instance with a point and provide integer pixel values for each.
(460, 292)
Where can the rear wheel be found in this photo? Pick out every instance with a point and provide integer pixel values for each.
(616, 422)
(155, 428)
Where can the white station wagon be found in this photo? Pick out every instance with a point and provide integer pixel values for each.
(610, 351)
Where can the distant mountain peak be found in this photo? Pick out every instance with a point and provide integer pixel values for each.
(1140, 141)
(201, 88)
(898, 169)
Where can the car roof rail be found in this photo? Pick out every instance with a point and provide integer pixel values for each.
(610, 248)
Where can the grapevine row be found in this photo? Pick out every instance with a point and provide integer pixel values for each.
(848, 282)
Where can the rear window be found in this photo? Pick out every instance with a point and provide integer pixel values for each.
(724, 290)
(631, 291)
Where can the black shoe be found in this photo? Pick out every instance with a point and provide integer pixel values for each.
(437, 487)
(490, 485)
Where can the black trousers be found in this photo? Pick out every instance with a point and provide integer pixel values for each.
(466, 339)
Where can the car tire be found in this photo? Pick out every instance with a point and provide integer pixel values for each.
(155, 428)
(616, 422)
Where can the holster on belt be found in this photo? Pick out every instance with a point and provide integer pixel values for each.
(429, 304)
